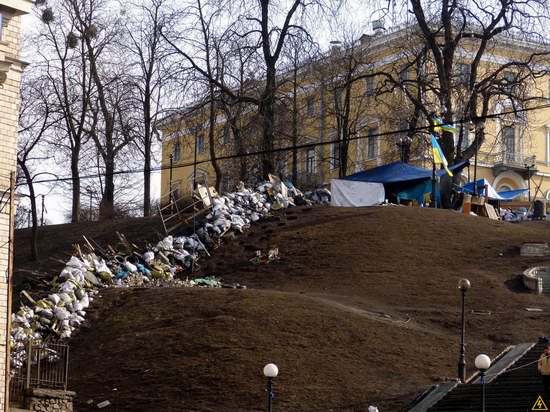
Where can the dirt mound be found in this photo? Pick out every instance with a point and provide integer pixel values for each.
(361, 309)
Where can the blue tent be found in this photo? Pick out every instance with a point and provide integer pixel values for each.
(404, 180)
(492, 194)
(399, 172)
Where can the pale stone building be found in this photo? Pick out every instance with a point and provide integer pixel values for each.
(11, 68)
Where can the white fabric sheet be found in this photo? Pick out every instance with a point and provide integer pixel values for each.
(349, 193)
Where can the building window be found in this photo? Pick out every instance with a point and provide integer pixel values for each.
(337, 97)
(225, 134)
(404, 74)
(200, 143)
(466, 138)
(175, 190)
(462, 73)
(509, 142)
(310, 108)
(371, 143)
(369, 86)
(335, 155)
(360, 151)
(177, 152)
(509, 81)
(311, 166)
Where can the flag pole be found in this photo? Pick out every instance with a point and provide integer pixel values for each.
(433, 199)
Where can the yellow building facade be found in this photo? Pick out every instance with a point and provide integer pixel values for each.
(375, 112)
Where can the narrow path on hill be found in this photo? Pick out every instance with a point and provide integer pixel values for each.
(376, 312)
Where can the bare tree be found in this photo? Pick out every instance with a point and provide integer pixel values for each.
(267, 25)
(36, 119)
(111, 123)
(62, 56)
(150, 78)
(467, 88)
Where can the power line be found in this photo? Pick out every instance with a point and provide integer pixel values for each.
(283, 149)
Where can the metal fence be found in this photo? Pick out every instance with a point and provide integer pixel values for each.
(46, 366)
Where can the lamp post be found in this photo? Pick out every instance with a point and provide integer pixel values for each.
(90, 192)
(529, 166)
(270, 372)
(463, 285)
(483, 362)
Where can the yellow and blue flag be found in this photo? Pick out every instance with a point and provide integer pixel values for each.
(440, 126)
(438, 155)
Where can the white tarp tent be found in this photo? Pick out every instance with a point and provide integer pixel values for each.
(350, 193)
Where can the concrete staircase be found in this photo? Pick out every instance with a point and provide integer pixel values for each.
(507, 388)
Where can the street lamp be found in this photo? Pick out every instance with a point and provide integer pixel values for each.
(463, 285)
(270, 371)
(90, 192)
(529, 166)
(483, 362)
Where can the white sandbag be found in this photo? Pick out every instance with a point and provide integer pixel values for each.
(60, 313)
(131, 267)
(54, 297)
(74, 262)
(148, 256)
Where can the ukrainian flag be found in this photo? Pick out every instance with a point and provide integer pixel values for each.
(438, 155)
(440, 126)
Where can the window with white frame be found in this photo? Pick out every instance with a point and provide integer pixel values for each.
(200, 143)
(548, 143)
(310, 107)
(369, 86)
(311, 161)
(509, 142)
(510, 80)
(360, 150)
(462, 73)
(176, 156)
(466, 136)
(225, 134)
(372, 138)
(175, 189)
(335, 155)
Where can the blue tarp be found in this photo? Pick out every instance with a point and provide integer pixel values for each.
(403, 180)
(506, 195)
(398, 172)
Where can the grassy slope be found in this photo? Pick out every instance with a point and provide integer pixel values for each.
(362, 309)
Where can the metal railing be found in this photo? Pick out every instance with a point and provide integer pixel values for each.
(46, 366)
(507, 159)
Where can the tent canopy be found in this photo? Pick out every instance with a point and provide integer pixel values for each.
(491, 192)
(399, 180)
(398, 172)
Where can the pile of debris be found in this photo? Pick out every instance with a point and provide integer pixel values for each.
(63, 310)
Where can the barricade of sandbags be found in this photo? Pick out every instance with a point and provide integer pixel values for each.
(63, 310)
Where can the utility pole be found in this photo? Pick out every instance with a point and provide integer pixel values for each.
(42, 215)
(9, 281)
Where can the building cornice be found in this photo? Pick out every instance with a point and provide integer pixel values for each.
(18, 7)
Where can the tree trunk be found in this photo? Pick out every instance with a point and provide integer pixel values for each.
(147, 153)
(267, 114)
(34, 233)
(75, 175)
(106, 208)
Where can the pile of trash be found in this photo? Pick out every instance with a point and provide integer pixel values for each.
(319, 196)
(515, 215)
(63, 310)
